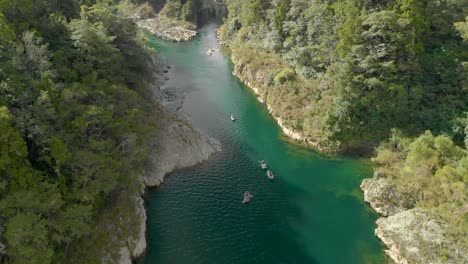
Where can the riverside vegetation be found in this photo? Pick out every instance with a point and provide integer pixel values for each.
(342, 75)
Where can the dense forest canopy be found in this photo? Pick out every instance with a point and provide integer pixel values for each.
(74, 118)
(348, 71)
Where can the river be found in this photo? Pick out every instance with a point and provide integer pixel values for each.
(313, 212)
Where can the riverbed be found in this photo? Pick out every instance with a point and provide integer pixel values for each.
(312, 212)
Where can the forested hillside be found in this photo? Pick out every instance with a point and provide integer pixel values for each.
(74, 119)
(343, 73)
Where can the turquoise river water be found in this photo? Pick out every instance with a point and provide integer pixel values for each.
(313, 212)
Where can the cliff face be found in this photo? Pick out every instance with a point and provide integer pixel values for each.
(177, 145)
(181, 146)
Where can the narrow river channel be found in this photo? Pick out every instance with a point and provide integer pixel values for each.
(313, 212)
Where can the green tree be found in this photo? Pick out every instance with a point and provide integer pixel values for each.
(172, 8)
(27, 240)
(188, 11)
(414, 11)
(15, 170)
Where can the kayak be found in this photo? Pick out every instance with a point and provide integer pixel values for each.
(270, 175)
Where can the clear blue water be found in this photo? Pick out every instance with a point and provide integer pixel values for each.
(313, 212)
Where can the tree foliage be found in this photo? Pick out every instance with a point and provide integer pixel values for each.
(75, 117)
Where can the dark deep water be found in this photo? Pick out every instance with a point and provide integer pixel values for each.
(313, 212)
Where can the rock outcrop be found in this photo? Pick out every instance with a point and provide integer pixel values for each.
(410, 235)
(122, 227)
(382, 196)
(416, 236)
(166, 29)
(178, 144)
(181, 146)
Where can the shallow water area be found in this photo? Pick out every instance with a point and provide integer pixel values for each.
(312, 212)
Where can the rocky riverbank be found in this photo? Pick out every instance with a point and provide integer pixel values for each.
(250, 76)
(161, 26)
(243, 74)
(167, 29)
(410, 235)
(177, 145)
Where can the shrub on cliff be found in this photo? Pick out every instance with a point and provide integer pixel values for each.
(285, 75)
